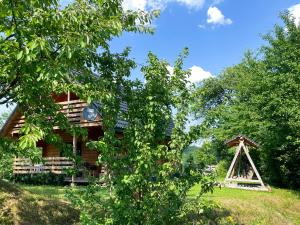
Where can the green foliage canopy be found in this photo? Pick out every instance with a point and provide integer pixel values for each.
(259, 98)
(46, 49)
(146, 179)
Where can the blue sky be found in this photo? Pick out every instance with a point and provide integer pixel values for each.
(217, 32)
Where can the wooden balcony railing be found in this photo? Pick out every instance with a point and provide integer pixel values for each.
(73, 111)
(56, 165)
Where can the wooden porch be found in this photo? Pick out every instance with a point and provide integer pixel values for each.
(56, 165)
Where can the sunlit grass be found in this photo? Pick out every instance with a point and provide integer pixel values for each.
(53, 192)
(278, 207)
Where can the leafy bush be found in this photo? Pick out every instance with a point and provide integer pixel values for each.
(200, 157)
(202, 211)
(222, 168)
(40, 179)
(6, 166)
(92, 202)
(6, 155)
(146, 179)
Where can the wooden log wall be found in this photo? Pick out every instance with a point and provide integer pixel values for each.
(72, 109)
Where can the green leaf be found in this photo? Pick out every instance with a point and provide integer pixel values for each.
(27, 58)
(82, 44)
(19, 55)
(89, 100)
(69, 53)
(26, 50)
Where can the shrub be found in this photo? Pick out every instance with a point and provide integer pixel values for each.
(40, 179)
(202, 211)
(6, 166)
(222, 169)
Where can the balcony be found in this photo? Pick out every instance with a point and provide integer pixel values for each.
(72, 110)
(56, 165)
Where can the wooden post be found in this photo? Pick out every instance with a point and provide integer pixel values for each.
(253, 166)
(237, 152)
(68, 110)
(74, 153)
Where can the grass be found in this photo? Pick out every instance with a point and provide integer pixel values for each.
(35, 205)
(279, 207)
(50, 192)
(47, 205)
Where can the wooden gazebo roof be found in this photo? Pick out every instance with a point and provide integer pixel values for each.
(236, 141)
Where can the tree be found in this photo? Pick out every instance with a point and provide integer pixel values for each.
(200, 156)
(6, 154)
(145, 177)
(46, 49)
(260, 98)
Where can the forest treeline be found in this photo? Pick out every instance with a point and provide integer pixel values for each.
(259, 98)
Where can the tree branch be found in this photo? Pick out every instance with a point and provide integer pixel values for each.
(8, 37)
(8, 87)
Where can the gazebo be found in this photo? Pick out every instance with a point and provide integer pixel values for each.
(242, 172)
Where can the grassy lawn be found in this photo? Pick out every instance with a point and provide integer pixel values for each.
(35, 205)
(51, 192)
(279, 207)
(47, 205)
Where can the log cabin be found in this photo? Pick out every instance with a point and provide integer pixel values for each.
(77, 112)
(53, 160)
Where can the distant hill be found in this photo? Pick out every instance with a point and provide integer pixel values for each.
(189, 152)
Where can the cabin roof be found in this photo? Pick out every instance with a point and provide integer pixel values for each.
(6, 125)
(235, 141)
(121, 124)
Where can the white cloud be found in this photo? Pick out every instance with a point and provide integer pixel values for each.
(216, 2)
(215, 16)
(194, 4)
(134, 4)
(295, 12)
(198, 74)
(201, 26)
(159, 4)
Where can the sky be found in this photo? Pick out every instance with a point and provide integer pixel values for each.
(217, 32)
